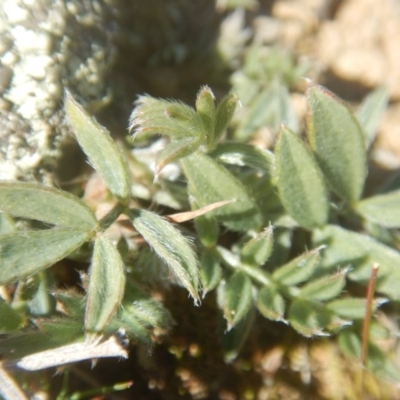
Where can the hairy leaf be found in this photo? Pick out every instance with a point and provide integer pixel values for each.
(106, 286)
(300, 183)
(27, 252)
(209, 182)
(205, 107)
(325, 288)
(361, 252)
(297, 270)
(309, 318)
(338, 143)
(10, 319)
(352, 308)
(257, 251)
(245, 155)
(43, 203)
(382, 209)
(101, 150)
(271, 304)
(224, 114)
(370, 112)
(238, 298)
(170, 246)
(211, 271)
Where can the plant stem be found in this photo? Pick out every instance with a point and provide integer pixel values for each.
(111, 216)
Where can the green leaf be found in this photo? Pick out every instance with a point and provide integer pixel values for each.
(10, 319)
(298, 270)
(150, 313)
(234, 339)
(42, 203)
(176, 120)
(362, 252)
(27, 252)
(300, 183)
(132, 325)
(271, 304)
(7, 224)
(101, 150)
(238, 298)
(352, 308)
(271, 107)
(257, 251)
(325, 288)
(205, 107)
(371, 110)
(207, 229)
(382, 209)
(350, 343)
(211, 271)
(106, 285)
(338, 143)
(224, 114)
(245, 155)
(309, 318)
(170, 246)
(209, 183)
(176, 150)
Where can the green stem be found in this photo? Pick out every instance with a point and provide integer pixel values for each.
(112, 216)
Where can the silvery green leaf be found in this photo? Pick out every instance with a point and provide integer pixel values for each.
(7, 224)
(207, 230)
(271, 304)
(370, 112)
(245, 155)
(170, 246)
(10, 319)
(24, 253)
(43, 203)
(352, 307)
(325, 288)
(297, 270)
(134, 328)
(300, 182)
(176, 120)
(382, 209)
(238, 298)
(257, 251)
(205, 107)
(361, 252)
(209, 182)
(100, 149)
(350, 343)
(210, 270)
(150, 313)
(224, 114)
(106, 285)
(175, 150)
(338, 143)
(309, 318)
